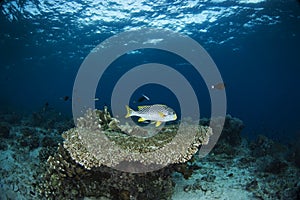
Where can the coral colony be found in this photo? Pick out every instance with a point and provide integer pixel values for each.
(76, 171)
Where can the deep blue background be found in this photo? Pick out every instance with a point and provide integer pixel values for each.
(261, 67)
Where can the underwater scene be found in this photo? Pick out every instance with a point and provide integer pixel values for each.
(149, 100)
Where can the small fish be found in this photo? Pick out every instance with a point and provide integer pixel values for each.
(157, 113)
(65, 98)
(218, 86)
(143, 98)
(46, 106)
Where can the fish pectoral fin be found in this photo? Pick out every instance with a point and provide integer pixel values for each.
(141, 119)
(161, 114)
(158, 123)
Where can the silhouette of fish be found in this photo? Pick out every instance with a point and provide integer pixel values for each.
(65, 98)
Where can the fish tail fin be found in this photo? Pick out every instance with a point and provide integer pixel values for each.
(129, 111)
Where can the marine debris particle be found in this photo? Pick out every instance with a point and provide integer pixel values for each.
(100, 140)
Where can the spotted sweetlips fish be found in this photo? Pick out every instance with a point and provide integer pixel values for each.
(156, 113)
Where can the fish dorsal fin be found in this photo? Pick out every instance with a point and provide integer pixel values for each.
(158, 123)
(141, 119)
(142, 107)
(161, 114)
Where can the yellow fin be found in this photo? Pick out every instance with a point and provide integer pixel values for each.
(161, 114)
(141, 119)
(175, 117)
(158, 123)
(129, 111)
(142, 107)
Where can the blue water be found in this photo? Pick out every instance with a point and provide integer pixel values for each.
(254, 43)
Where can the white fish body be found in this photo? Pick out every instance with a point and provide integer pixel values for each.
(158, 113)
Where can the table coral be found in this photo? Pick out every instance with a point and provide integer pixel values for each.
(86, 164)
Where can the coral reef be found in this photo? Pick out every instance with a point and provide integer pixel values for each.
(244, 177)
(186, 169)
(4, 129)
(82, 165)
(294, 154)
(11, 118)
(34, 166)
(94, 142)
(65, 179)
(297, 156)
(275, 166)
(49, 118)
(230, 131)
(241, 169)
(264, 146)
(230, 138)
